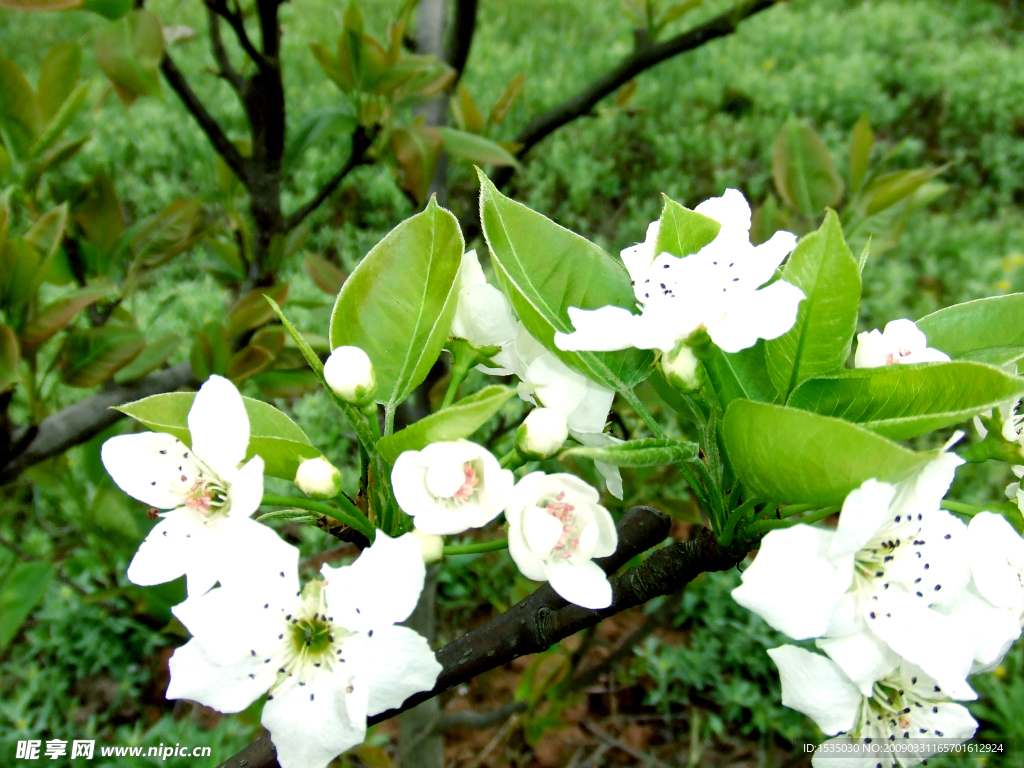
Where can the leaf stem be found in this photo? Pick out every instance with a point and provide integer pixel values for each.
(472, 549)
(351, 515)
(763, 526)
(961, 508)
(512, 460)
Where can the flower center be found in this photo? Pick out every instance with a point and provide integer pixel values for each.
(457, 483)
(893, 359)
(564, 513)
(205, 495)
(894, 712)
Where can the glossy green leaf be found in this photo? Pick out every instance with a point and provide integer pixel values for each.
(252, 310)
(741, 375)
(475, 148)
(56, 127)
(804, 172)
(398, 304)
(861, 141)
(417, 149)
(796, 457)
(465, 111)
(544, 269)
(683, 232)
(647, 452)
(885, 191)
(248, 361)
(168, 233)
(459, 420)
(58, 76)
(286, 384)
(154, 354)
(325, 275)
(20, 120)
(819, 341)
(901, 401)
(22, 590)
(507, 100)
(341, 76)
(272, 435)
(92, 356)
(129, 52)
(986, 330)
(55, 316)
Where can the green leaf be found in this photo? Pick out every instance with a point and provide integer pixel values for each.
(53, 131)
(168, 233)
(92, 356)
(796, 457)
(58, 77)
(544, 269)
(901, 401)
(476, 148)
(324, 124)
(648, 452)
(819, 341)
(398, 304)
(252, 310)
(155, 354)
(325, 275)
(99, 214)
(129, 52)
(20, 120)
(10, 358)
(885, 191)
(47, 231)
(459, 420)
(55, 316)
(986, 330)
(286, 384)
(507, 100)
(22, 590)
(741, 375)
(804, 172)
(861, 141)
(465, 111)
(109, 9)
(248, 361)
(272, 435)
(417, 149)
(683, 232)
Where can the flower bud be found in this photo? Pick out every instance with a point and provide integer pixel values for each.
(542, 433)
(349, 373)
(431, 545)
(318, 478)
(683, 370)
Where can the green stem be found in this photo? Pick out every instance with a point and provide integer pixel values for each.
(389, 419)
(763, 526)
(512, 460)
(351, 515)
(370, 411)
(459, 374)
(729, 529)
(472, 549)
(960, 508)
(796, 509)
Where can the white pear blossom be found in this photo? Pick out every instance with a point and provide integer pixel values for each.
(450, 487)
(209, 496)
(483, 316)
(555, 528)
(431, 545)
(903, 703)
(318, 478)
(718, 289)
(330, 655)
(877, 587)
(1011, 432)
(542, 433)
(996, 554)
(901, 343)
(349, 372)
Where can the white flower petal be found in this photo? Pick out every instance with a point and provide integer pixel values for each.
(763, 314)
(601, 330)
(611, 474)
(219, 426)
(394, 664)
(731, 210)
(904, 334)
(836, 753)
(149, 465)
(583, 584)
(483, 317)
(542, 531)
(246, 491)
(996, 553)
(792, 583)
(993, 629)
(863, 657)
(591, 413)
(381, 587)
(312, 724)
(470, 271)
(168, 550)
(226, 688)
(816, 686)
(864, 510)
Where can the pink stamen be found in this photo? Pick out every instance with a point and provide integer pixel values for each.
(469, 487)
(199, 498)
(568, 542)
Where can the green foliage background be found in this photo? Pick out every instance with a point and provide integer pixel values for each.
(940, 80)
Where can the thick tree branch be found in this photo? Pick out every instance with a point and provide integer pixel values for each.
(361, 141)
(460, 36)
(221, 143)
(543, 618)
(77, 423)
(642, 58)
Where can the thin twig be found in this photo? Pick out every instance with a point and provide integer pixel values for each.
(220, 53)
(620, 744)
(492, 743)
(236, 21)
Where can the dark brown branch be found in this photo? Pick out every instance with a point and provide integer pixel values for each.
(543, 618)
(361, 141)
(220, 53)
(221, 143)
(77, 423)
(460, 39)
(236, 21)
(641, 59)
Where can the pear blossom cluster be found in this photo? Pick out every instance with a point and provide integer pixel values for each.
(901, 342)
(903, 599)
(327, 655)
